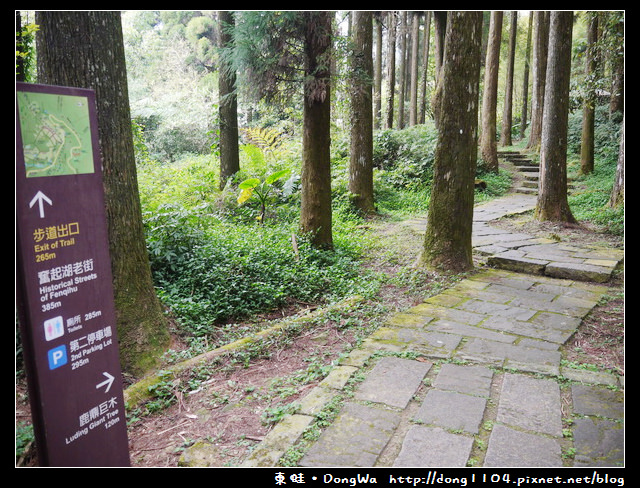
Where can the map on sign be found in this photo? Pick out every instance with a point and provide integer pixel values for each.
(56, 134)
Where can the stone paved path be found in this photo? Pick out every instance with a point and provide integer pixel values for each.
(473, 376)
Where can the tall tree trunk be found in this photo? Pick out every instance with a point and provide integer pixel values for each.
(617, 194)
(525, 80)
(415, 48)
(488, 145)
(315, 211)
(391, 67)
(588, 106)
(229, 149)
(507, 111)
(377, 112)
(447, 243)
(440, 29)
(402, 69)
(425, 66)
(361, 157)
(540, 52)
(617, 63)
(142, 326)
(552, 201)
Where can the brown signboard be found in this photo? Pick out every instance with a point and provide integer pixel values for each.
(64, 281)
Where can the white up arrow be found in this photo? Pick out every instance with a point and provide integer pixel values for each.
(40, 198)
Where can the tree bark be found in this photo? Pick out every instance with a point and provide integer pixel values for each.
(439, 32)
(552, 201)
(142, 326)
(488, 144)
(617, 63)
(361, 154)
(540, 51)
(228, 109)
(425, 66)
(507, 111)
(525, 80)
(588, 106)
(378, 73)
(315, 211)
(415, 48)
(617, 194)
(402, 69)
(391, 67)
(447, 242)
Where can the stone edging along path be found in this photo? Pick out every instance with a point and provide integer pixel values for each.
(489, 351)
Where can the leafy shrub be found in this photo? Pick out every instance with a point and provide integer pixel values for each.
(207, 270)
(405, 157)
(606, 134)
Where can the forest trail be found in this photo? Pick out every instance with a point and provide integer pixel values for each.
(472, 376)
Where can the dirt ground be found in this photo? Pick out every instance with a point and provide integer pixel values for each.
(228, 409)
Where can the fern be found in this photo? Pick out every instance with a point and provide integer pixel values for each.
(268, 140)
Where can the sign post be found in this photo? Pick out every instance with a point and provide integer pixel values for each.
(64, 281)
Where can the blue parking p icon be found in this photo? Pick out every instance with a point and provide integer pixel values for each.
(57, 357)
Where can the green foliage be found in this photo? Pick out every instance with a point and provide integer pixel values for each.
(24, 438)
(25, 49)
(589, 202)
(208, 270)
(606, 134)
(405, 157)
(263, 191)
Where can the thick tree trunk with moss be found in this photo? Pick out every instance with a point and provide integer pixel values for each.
(315, 211)
(229, 150)
(86, 50)
(361, 157)
(552, 195)
(447, 243)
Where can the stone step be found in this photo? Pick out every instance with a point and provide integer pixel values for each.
(527, 190)
(527, 169)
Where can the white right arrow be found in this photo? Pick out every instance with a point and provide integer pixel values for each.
(39, 198)
(108, 382)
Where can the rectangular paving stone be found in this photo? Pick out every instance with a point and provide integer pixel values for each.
(530, 403)
(585, 272)
(518, 263)
(393, 381)
(277, 441)
(435, 311)
(473, 380)
(433, 447)
(534, 296)
(338, 377)
(598, 442)
(451, 327)
(511, 448)
(526, 358)
(434, 344)
(408, 320)
(492, 308)
(452, 410)
(533, 329)
(595, 400)
(355, 438)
